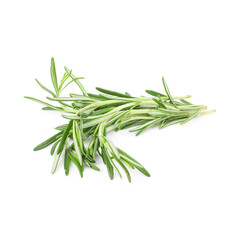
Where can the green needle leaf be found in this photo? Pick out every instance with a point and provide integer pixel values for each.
(95, 148)
(80, 136)
(76, 145)
(64, 137)
(44, 88)
(113, 93)
(189, 118)
(44, 103)
(54, 75)
(50, 109)
(55, 163)
(115, 167)
(93, 166)
(143, 171)
(67, 162)
(125, 170)
(71, 117)
(77, 164)
(61, 127)
(168, 93)
(65, 99)
(154, 93)
(48, 142)
(163, 104)
(186, 102)
(106, 159)
(131, 160)
(54, 146)
(77, 82)
(112, 148)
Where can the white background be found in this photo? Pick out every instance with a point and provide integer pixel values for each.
(193, 191)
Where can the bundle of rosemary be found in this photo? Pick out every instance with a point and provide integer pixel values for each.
(92, 116)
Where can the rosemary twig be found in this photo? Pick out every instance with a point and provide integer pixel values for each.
(93, 116)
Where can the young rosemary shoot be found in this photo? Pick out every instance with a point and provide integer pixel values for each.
(92, 116)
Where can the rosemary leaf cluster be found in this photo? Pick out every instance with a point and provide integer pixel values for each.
(92, 116)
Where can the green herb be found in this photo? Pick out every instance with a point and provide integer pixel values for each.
(92, 116)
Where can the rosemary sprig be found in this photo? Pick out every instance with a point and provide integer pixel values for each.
(92, 116)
